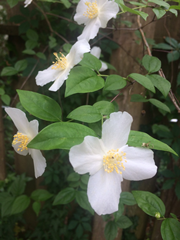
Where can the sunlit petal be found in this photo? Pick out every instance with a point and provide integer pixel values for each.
(39, 162)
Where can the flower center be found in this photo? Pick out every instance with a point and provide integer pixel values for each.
(61, 62)
(23, 139)
(113, 160)
(92, 10)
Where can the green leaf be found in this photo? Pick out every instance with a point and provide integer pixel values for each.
(91, 62)
(111, 230)
(62, 135)
(114, 82)
(168, 184)
(73, 177)
(175, 12)
(20, 204)
(160, 3)
(12, 3)
(85, 179)
(82, 200)
(170, 229)
(151, 64)
(9, 71)
(173, 56)
(127, 9)
(6, 99)
(85, 113)
(7, 206)
(120, 211)
(164, 46)
(144, 81)
(136, 139)
(65, 196)
(32, 35)
(30, 44)
(29, 51)
(159, 12)
(21, 65)
(124, 222)
(17, 187)
(2, 92)
(159, 104)
(104, 107)
(160, 83)
(173, 42)
(83, 80)
(127, 198)
(36, 207)
(52, 42)
(41, 195)
(138, 98)
(41, 55)
(149, 203)
(40, 105)
(66, 3)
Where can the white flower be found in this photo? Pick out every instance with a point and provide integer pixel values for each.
(94, 14)
(96, 51)
(59, 71)
(27, 2)
(108, 160)
(26, 132)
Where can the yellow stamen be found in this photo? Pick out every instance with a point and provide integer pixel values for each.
(61, 62)
(23, 139)
(92, 10)
(113, 160)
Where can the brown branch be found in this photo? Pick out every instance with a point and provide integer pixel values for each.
(161, 73)
(48, 23)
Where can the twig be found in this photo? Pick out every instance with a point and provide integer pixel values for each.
(161, 73)
(48, 23)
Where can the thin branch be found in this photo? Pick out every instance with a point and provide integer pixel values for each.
(48, 23)
(161, 73)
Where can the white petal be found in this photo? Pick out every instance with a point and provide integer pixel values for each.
(47, 75)
(19, 119)
(91, 29)
(39, 162)
(104, 191)
(140, 164)
(80, 10)
(60, 80)
(115, 130)
(103, 67)
(108, 11)
(27, 2)
(16, 147)
(34, 125)
(96, 51)
(87, 156)
(76, 53)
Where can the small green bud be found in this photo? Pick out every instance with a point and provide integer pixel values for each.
(157, 215)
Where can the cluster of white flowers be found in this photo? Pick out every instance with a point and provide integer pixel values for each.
(108, 160)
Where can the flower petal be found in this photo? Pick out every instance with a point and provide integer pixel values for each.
(39, 162)
(27, 2)
(47, 75)
(108, 11)
(115, 130)
(91, 29)
(103, 67)
(76, 53)
(63, 75)
(19, 119)
(79, 17)
(96, 51)
(87, 156)
(16, 147)
(34, 125)
(140, 164)
(104, 191)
